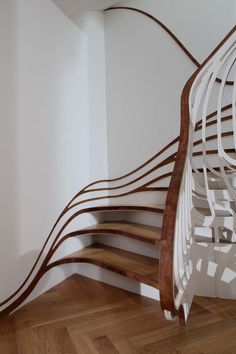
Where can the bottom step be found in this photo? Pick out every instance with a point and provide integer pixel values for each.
(132, 265)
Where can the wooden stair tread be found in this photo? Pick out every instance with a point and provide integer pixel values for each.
(158, 208)
(140, 232)
(132, 265)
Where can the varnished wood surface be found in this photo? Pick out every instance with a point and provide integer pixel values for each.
(169, 217)
(164, 27)
(82, 316)
(132, 265)
(12, 305)
(140, 232)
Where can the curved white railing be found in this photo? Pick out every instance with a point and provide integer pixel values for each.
(191, 200)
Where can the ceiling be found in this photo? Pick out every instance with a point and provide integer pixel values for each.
(73, 7)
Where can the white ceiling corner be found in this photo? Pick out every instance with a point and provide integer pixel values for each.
(74, 7)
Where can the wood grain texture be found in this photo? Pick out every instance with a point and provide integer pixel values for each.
(132, 265)
(145, 233)
(169, 218)
(12, 305)
(82, 316)
(140, 232)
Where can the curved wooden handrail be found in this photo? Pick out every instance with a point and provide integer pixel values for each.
(168, 31)
(164, 162)
(161, 24)
(170, 144)
(170, 212)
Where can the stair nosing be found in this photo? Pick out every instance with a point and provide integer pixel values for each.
(78, 257)
(130, 234)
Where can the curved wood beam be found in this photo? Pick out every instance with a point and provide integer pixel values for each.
(213, 114)
(164, 27)
(168, 31)
(164, 162)
(106, 230)
(173, 142)
(143, 188)
(170, 212)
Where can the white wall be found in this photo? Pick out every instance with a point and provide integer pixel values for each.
(92, 24)
(215, 274)
(145, 75)
(45, 132)
(8, 121)
(146, 71)
(75, 7)
(200, 25)
(53, 125)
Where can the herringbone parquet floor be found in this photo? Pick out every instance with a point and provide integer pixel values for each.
(87, 317)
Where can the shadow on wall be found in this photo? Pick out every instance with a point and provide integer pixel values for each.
(48, 280)
(8, 151)
(22, 280)
(215, 270)
(44, 129)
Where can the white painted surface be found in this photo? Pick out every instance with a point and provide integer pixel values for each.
(200, 25)
(215, 274)
(145, 75)
(146, 71)
(53, 125)
(8, 148)
(46, 131)
(73, 7)
(92, 24)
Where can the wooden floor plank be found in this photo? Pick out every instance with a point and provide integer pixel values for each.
(104, 345)
(8, 345)
(124, 346)
(66, 320)
(83, 343)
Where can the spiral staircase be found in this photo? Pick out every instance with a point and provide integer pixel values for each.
(189, 184)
